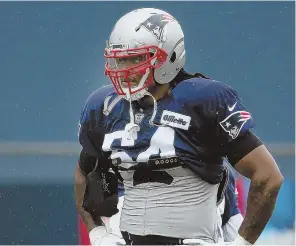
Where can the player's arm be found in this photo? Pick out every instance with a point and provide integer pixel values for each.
(85, 165)
(260, 167)
(91, 202)
(249, 157)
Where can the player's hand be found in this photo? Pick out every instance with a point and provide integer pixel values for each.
(97, 234)
(100, 236)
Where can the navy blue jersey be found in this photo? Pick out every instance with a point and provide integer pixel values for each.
(196, 123)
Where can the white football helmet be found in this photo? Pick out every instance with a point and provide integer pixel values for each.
(152, 42)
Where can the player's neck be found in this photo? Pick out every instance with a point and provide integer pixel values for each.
(158, 92)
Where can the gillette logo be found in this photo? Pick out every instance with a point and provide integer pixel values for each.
(175, 120)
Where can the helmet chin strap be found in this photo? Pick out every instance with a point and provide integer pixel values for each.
(154, 109)
(131, 128)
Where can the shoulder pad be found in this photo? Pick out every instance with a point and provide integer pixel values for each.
(198, 89)
(95, 103)
(97, 98)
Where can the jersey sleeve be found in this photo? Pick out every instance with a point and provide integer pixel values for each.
(227, 121)
(84, 134)
(91, 137)
(229, 117)
(91, 129)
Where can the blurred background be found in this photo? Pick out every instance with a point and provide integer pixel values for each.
(51, 59)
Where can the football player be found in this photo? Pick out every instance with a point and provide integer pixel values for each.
(164, 133)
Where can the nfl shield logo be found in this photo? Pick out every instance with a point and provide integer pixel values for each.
(139, 117)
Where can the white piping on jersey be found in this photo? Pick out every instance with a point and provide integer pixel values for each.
(107, 109)
(154, 109)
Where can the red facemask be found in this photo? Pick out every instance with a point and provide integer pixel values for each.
(126, 67)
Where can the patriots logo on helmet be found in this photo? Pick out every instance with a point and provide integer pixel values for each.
(156, 24)
(234, 122)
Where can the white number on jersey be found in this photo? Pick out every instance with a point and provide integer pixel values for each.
(162, 142)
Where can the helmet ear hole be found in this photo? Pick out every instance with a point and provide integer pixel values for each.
(173, 57)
